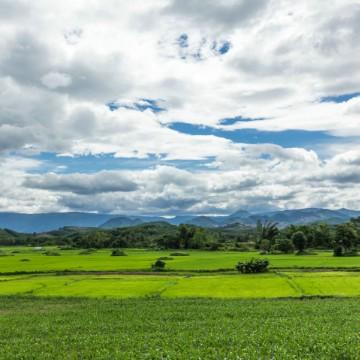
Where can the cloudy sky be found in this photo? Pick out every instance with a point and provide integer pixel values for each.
(179, 106)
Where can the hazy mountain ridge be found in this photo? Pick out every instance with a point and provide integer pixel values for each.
(51, 221)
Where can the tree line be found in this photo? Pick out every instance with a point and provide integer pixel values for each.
(266, 237)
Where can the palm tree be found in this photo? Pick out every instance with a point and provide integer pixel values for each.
(268, 230)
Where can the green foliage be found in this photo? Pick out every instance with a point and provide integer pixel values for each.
(161, 235)
(346, 238)
(299, 241)
(178, 253)
(159, 265)
(265, 245)
(284, 246)
(339, 250)
(243, 247)
(268, 230)
(118, 252)
(253, 266)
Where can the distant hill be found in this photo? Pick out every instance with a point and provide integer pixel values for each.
(203, 221)
(28, 223)
(121, 221)
(50, 221)
(307, 216)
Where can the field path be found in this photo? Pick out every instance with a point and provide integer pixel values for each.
(291, 282)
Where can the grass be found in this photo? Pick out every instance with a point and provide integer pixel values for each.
(66, 328)
(138, 260)
(198, 311)
(271, 285)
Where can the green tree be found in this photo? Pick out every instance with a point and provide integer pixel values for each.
(284, 245)
(269, 231)
(299, 241)
(346, 237)
(186, 233)
(322, 236)
(265, 245)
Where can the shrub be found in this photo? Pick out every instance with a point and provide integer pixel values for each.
(340, 251)
(179, 254)
(165, 258)
(118, 252)
(253, 266)
(24, 260)
(159, 265)
(51, 253)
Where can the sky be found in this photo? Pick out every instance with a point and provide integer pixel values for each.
(173, 107)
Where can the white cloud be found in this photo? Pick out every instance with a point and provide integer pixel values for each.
(60, 63)
(54, 80)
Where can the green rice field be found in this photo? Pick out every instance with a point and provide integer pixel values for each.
(29, 260)
(271, 285)
(79, 328)
(97, 306)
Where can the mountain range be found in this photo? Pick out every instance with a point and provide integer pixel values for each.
(30, 223)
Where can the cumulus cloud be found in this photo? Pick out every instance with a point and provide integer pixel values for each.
(200, 62)
(54, 80)
(83, 184)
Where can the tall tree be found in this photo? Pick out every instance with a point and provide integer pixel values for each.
(299, 241)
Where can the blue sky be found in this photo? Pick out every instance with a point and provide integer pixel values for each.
(179, 107)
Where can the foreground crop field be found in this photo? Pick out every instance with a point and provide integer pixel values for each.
(271, 285)
(42, 328)
(200, 309)
(28, 260)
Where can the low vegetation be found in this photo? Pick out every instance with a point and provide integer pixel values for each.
(58, 328)
(158, 265)
(253, 266)
(118, 252)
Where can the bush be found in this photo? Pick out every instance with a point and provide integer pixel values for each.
(118, 252)
(340, 251)
(165, 258)
(51, 253)
(24, 260)
(159, 265)
(179, 254)
(253, 266)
